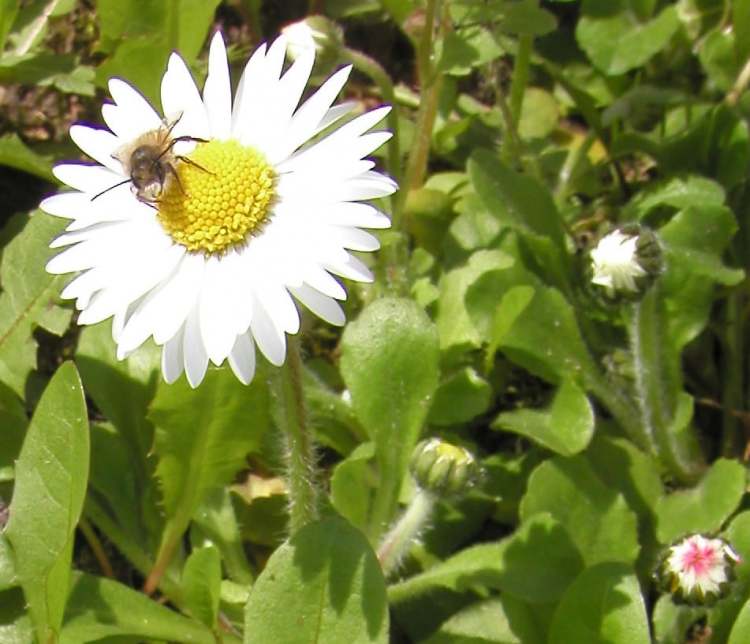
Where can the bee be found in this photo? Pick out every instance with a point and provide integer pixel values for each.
(150, 160)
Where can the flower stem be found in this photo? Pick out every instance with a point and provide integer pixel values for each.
(396, 543)
(291, 417)
(380, 77)
(96, 547)
(740, 85)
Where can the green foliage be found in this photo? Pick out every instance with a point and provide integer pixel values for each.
(606, 423)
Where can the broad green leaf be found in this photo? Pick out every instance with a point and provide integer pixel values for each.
(8, 12)
(694, 240)
(391, 390)
(535, 564)
(717, 56)
(16, 154)
(705, 507)
(51, 477)
(121, 389)
(15, 623)
(566, 427)
(464, 50)
(203, 437)
(616, 42)
(527, 18)
(201, 583)
(521, 199)
(672, 621)
(539, 114)
(597, 518)
(352, 484)
(8, 577)
(455, 327)
(100, 609)
(13, 423)
(324, 586)
(678, 192)
(501, 620)
(604, 604)
(741, 626)
(217, 519)
(27, 298)
(194, 19)
(741, 27)
(459, 398)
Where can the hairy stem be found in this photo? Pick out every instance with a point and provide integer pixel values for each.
(291, 418)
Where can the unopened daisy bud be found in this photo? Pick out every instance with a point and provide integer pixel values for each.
(698, 569)
(442, 468)
(318, 33)
(626, 260)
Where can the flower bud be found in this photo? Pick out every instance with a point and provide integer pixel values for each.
(318, 33)
(442, 468)
(627, 260)
(698, 569)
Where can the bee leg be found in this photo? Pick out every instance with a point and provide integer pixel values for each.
(177, 179)
(193, 163)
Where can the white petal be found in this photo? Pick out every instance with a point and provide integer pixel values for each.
(324, 307)
(216, 310)
(361, 215)
(66, 204)
(248, 81)
(308, 117)
(195, 356)
(354, 239)
(100, 145)
(217, 92)
(86, 178)
(334, 114)
(242, 358)
(352, 269)
(133, 114)
(172, 358)
(270, 340)
(181, 100)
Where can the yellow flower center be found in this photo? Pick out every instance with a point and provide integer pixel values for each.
(222, 194)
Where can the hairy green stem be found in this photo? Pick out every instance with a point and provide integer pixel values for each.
(400, 537)
(291, 418)
(733, 344)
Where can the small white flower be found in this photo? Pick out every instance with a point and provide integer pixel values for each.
(615, 262)
(251, 215)
(300, 38)
(698, 567)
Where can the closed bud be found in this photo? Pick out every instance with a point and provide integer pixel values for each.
(698, 570)
(626, 261)
(318, 33)
(442, 468)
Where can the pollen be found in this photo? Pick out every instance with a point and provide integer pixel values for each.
(218, 197)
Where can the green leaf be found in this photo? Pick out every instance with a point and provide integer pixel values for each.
(13, 422)
(500, 620)
(15, 624)
(8, 13)
(121, 389)
(616, 41)
(201, 582)
(535, 564)
(467, 49)
(527, 18)
(460, 397)
(705, 507)
(51, 477)
(539, 114)
(741, 27)
(8, 577)
(521, 199)
(741, 626)
(16, 154)
(678, 192)
(352, 485)
(323, 586)
(102, 608)
(566, 427)
(604, 604)
(596, 517)
(27, 298)
(456, 329)
(716, 54)
(390, 389)
(203, 437)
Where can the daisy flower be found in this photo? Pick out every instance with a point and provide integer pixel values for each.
(250, 215)
(699, 568)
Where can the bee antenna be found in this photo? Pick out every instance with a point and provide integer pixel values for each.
(117, 185)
